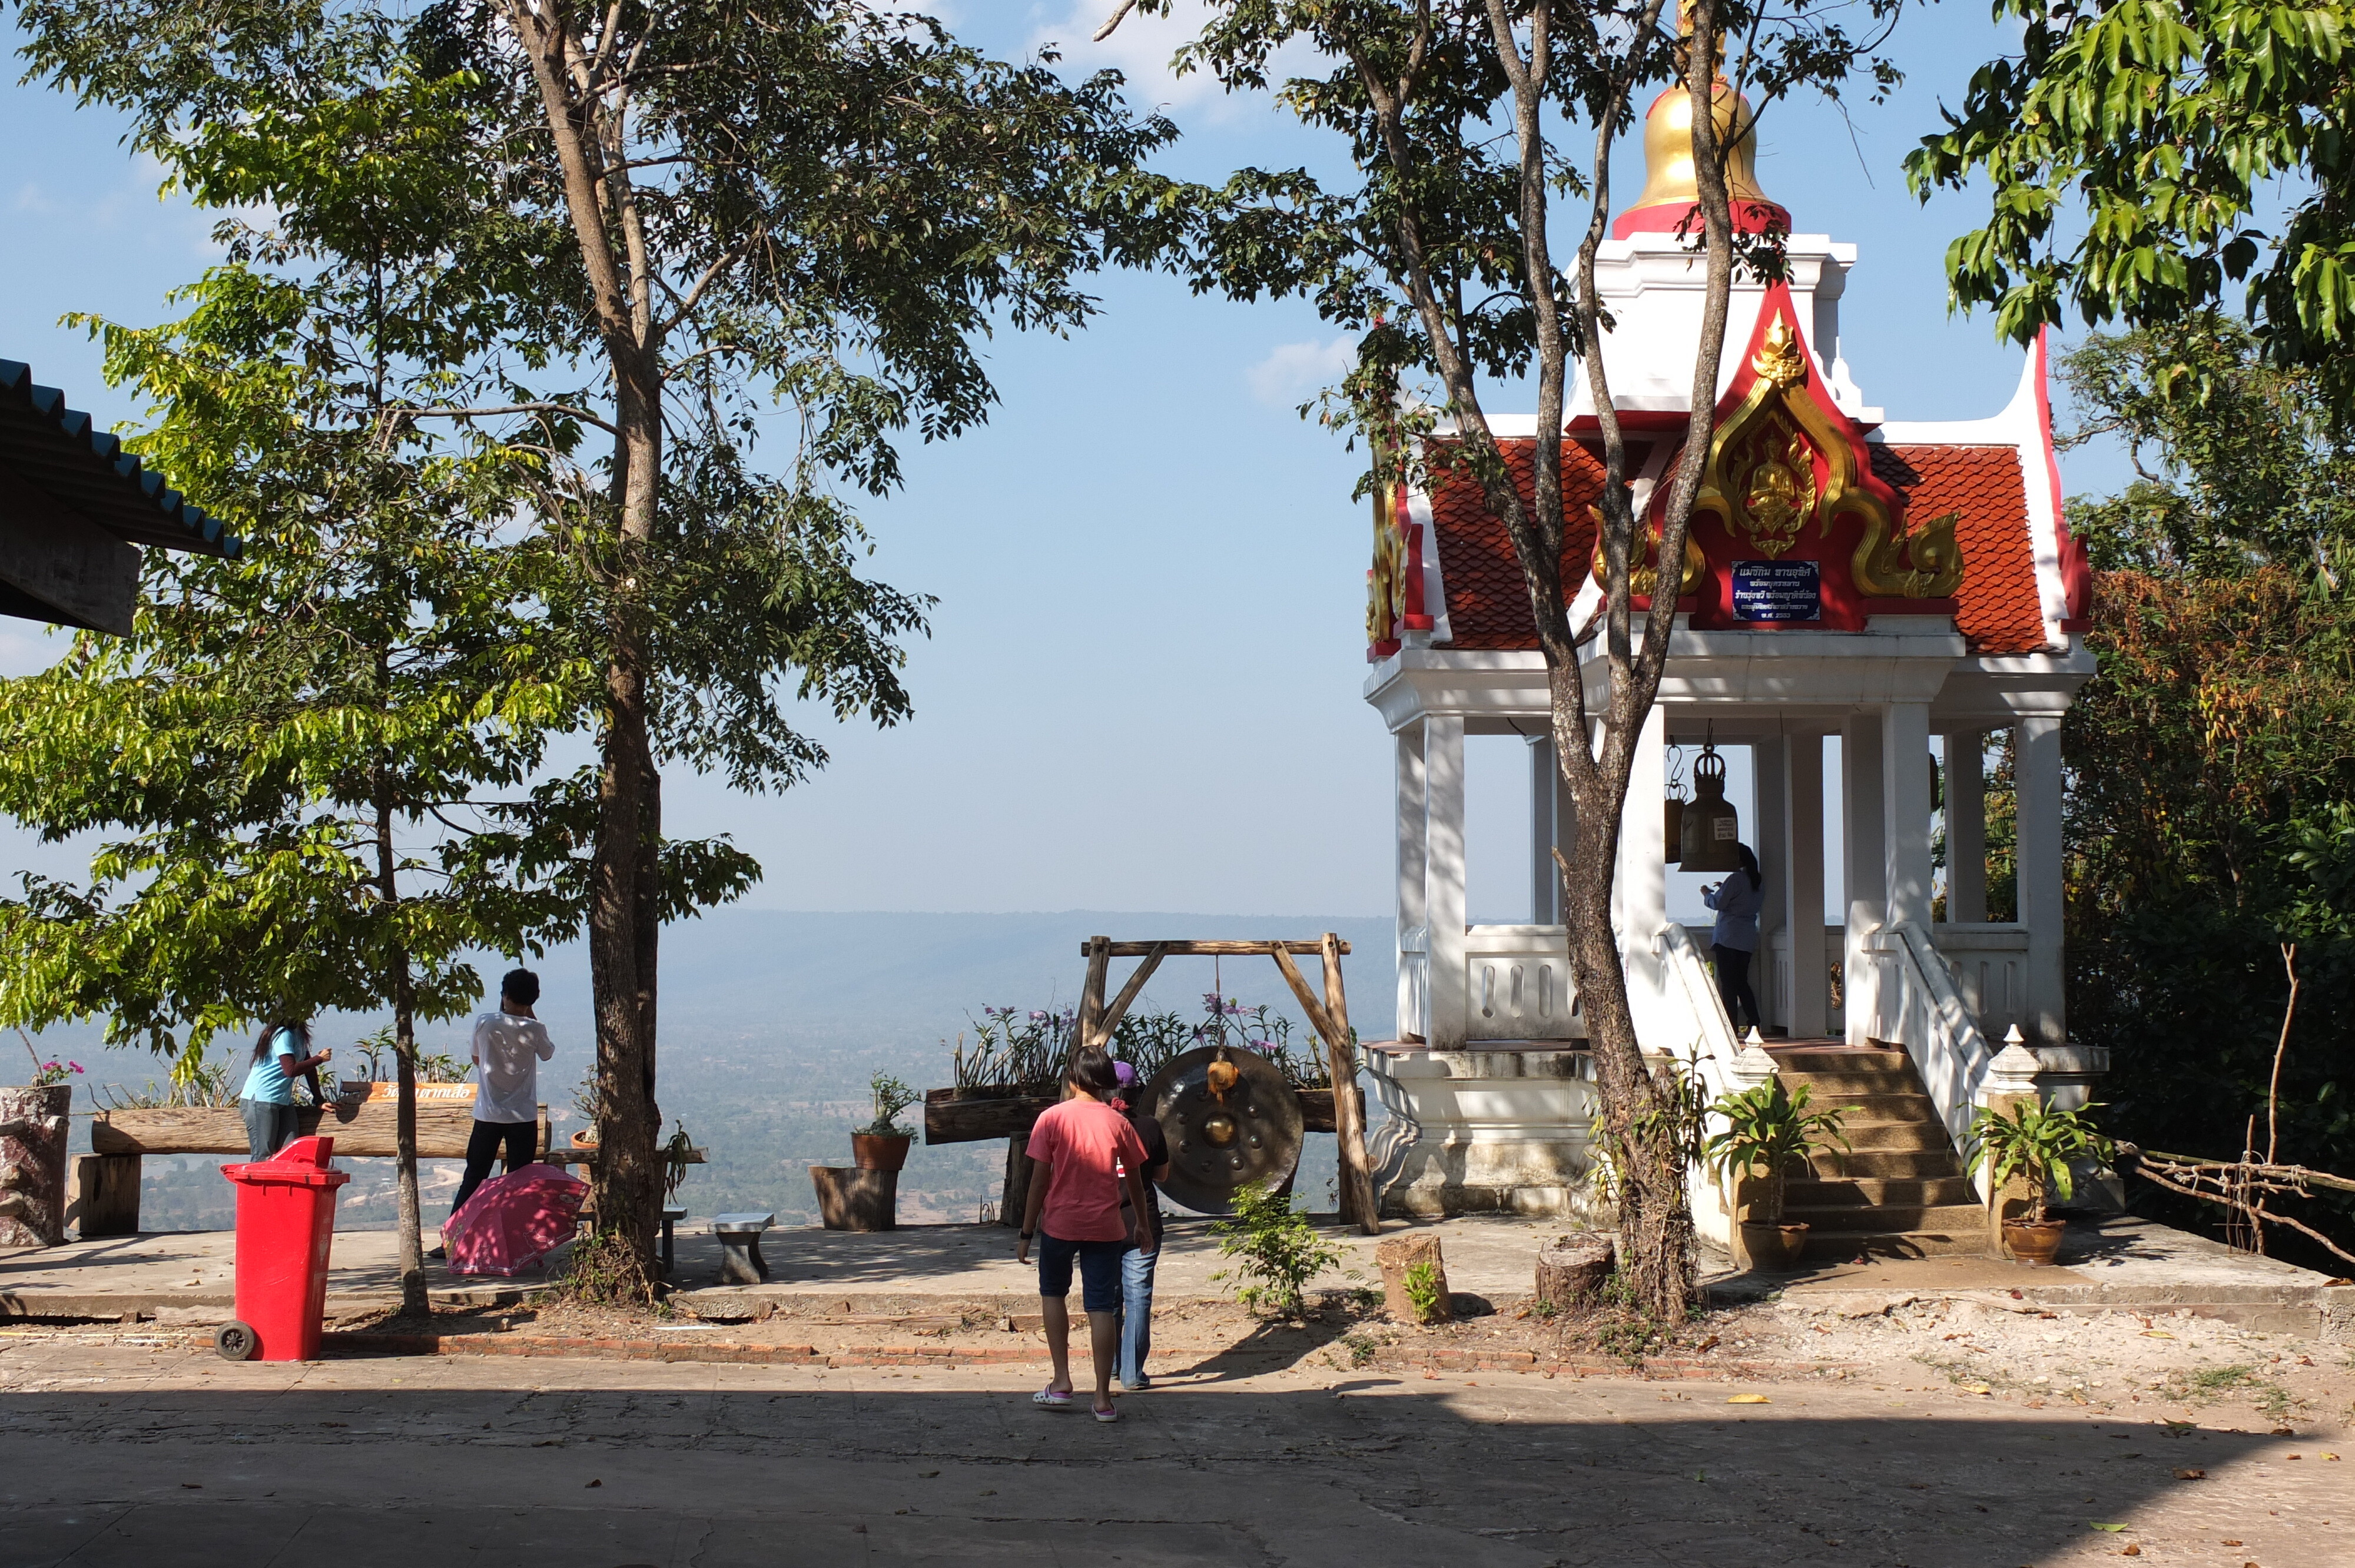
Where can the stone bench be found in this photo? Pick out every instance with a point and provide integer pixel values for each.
(740, 1262)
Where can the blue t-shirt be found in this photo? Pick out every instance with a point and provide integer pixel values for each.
(268, 1082)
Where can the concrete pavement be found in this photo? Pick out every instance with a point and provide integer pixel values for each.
(114, 1453)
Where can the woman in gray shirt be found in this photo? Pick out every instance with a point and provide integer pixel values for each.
(1737, 901)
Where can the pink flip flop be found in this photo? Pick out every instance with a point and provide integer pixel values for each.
(1051, 1399)
(1110, 1413)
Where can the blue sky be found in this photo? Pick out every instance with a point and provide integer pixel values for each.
(1142, 689)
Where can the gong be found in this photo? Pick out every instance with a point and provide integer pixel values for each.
(1219, 1142)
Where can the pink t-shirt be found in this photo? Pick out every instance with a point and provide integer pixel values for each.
(1083, 1140)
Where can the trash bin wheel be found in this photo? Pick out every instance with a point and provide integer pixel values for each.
(236, 1341)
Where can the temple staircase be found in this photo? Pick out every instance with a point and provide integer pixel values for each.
(1900, 1189)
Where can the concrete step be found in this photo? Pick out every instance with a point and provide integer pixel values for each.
(1935, 1164)
(1866, 1192)
(1965, 1218)
(1841, 1246)
(1864, 1132)
(1823, 1084)
(1903, 1107)
(1837, 1059)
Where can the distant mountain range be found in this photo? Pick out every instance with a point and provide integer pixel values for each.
(773, 1020)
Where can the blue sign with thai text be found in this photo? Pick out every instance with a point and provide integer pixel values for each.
(1777, 590)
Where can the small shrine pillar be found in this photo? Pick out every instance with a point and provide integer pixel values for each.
(2036, 771)
(1804, 994)
(1865, 863)
(1906, 790)
(1965, 790)
(1553, 819)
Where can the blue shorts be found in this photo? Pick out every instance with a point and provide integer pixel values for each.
(1099, 1270)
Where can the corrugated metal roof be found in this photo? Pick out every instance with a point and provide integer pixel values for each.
(61, 452)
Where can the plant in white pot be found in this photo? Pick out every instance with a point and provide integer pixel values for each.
(2036, 1144)
(1768, 1129)
(882, 1144)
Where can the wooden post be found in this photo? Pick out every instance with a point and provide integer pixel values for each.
(1017, 1190)
(1349, 1117)
(1128, 993)
(852, 1200)
(1092, 996)
(1398, 1257)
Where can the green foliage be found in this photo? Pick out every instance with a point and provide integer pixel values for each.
(2210, 784)
(1768, 1130)
(2034, 1142)
(1276, 1251)
(891, 1096)
(2138, 151)
(675, 1161)
(1423, 1290)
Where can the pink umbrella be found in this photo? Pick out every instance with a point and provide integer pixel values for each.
(514, 1221)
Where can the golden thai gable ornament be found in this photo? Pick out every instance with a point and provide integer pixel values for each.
(1781, 463)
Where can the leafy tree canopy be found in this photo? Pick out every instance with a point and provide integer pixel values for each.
(2148, 157)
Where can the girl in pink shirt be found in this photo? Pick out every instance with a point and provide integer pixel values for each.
(1082, 1154)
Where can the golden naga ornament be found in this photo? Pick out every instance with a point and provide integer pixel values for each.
(1761, 481)
(1916, 563)
(1644, 575)
(1386, 582)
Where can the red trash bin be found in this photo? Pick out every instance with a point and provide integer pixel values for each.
(286, 1223)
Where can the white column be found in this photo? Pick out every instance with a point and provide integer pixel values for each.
(1865, 865)
(1803, 881)
(1769, 836)
(1413, 922)
(2036, 768)
(1906, 790)
(1639, 892)
(1443, 895)
(1545, 832)
(1965, 825)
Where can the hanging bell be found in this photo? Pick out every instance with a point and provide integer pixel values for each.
(1673, 831)
(1712, 831)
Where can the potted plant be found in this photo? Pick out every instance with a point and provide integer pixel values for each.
(1767, 1130)
(882, 1144)
(2034, 1143)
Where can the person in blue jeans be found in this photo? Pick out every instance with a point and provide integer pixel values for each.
(1136, 1263)
(267, 1101)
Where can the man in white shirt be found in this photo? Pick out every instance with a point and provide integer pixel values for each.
(509, 1047)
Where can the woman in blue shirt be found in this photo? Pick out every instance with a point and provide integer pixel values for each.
(1737, 900)
(267, 1101)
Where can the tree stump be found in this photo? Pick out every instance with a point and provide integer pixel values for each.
(1571, 1269)
(33, 1165)
(1401, 1256)
(854, 1199)
(107, 1195)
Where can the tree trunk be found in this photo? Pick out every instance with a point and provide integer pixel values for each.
(410, 1225)
(584, 130)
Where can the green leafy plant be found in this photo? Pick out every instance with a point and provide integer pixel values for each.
(2034, 1143)
(674, 1159)
(1423, 1290)
(892, 1097)
(1767, 1130)
(1276, 1251)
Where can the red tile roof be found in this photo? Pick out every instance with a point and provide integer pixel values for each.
(1999, 609)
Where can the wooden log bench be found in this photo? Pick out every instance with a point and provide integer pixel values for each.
(108, 1177)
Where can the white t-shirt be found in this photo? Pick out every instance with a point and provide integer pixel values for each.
(508, 1050)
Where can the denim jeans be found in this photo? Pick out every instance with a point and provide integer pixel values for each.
(1136, 1314)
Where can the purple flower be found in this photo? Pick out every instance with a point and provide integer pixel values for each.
(1036, 1016)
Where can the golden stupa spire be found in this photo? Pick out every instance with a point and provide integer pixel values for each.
(1668, 149)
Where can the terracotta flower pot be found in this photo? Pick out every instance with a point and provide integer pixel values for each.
(2032, 1243)
(1774, 1248)
(880, 1150)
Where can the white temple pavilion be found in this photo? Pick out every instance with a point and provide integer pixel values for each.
(1879, 580)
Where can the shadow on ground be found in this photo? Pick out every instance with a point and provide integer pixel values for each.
(642, 1465)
